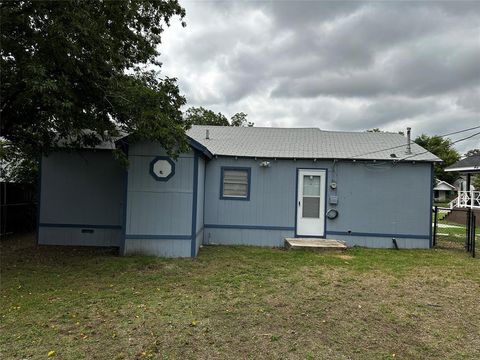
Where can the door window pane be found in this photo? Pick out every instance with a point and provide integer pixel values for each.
(311, 207)
(311, 185)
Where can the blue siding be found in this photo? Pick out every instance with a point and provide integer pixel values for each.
(158, 209)
(75, 236)
(173, 218)
(272, 194)
(193, 239)
(81, 191)
(381, 242)
(157, 247)
(252, 237)
(382, 199)
(200, 204)
(372, 198)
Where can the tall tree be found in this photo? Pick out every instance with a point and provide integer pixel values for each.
(240, 119)
(444, 149)
(202, 116)
(77, 71)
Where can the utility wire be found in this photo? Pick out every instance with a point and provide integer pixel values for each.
(460, 131)
(454, 142)
(411, 142)
(376, 151)
(466, 138)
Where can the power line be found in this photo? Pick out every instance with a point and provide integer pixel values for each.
(460, 131)
(376, 151)
(466, 138)
(411, 142)
(454, 142)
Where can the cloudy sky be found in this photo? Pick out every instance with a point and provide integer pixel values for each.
(332, 65)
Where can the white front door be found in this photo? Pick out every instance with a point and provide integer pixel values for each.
(311, 202)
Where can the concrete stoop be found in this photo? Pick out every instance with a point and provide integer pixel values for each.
(314, 244)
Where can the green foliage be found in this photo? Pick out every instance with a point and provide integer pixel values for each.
(444, 149)
(240, 119)
(472, 152)
(377, 130)
(76, 71)
(19, 168)
(202, 116)
(476, 181)
(475, 178)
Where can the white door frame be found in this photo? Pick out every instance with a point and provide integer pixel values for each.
(305, 226)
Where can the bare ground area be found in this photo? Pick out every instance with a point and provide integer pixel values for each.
(238, 302)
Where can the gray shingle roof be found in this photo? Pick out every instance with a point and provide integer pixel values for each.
(471, 163)
(307, 143)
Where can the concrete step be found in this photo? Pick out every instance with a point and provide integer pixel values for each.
(314, 244)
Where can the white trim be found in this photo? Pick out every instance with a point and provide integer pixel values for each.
(311, 226)
(468, 199)
(468, 168)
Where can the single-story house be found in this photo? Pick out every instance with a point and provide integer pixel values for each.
(443, 191)
(468, 196)
(461, 183)
(241, 186)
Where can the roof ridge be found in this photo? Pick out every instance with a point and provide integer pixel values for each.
(304, 143)
(296, 128)
(258, 127)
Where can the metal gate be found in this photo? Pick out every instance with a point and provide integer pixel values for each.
(454, 235)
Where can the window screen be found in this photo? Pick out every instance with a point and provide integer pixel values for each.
(235, 183)
(311, 207)
(311, 196)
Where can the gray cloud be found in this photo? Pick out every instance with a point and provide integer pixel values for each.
(334, 65)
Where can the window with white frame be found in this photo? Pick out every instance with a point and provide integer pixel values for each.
(235, 183)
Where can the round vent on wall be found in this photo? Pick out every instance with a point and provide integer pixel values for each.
(162, 168)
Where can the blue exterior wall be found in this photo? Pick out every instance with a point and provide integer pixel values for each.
(159, 213)
(200, 204)
(81, 199)
(376, 202)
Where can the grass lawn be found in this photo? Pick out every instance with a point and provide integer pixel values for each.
(441, 203)
(454, 236)
(238, 302)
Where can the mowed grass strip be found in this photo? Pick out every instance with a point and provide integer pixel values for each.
(238, 302)
(454, 236)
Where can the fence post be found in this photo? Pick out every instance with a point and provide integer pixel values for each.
(468, 230)
(434, 242)
(472, 224)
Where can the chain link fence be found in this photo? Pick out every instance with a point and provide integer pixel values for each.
(18, 208)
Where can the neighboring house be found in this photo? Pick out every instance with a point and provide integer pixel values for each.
(443, 191)
(467, 167)
(242, 186)
(461, 184)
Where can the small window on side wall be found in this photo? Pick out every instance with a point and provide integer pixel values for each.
(235, 183)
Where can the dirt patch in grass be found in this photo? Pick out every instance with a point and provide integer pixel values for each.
(344, 257)
(239, 302)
